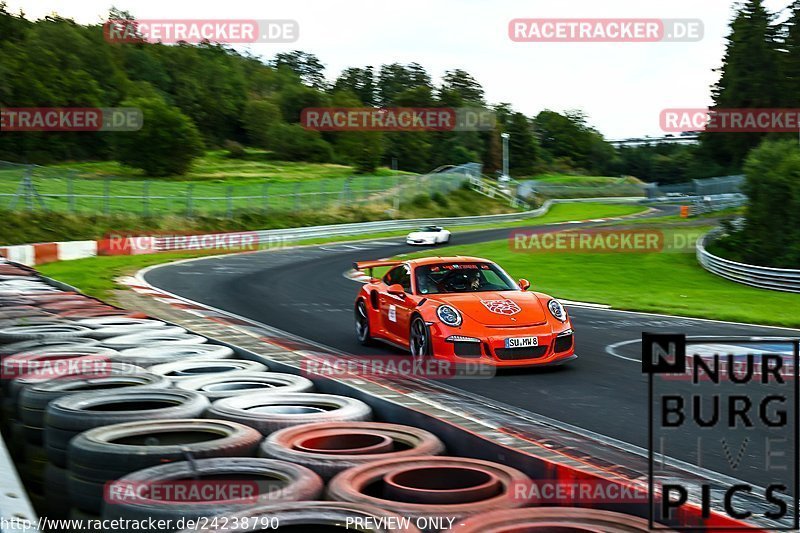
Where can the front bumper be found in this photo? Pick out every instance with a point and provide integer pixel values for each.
(556, 346)
(420, 242)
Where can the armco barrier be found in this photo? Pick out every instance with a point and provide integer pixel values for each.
(40, 253)
(778, 279)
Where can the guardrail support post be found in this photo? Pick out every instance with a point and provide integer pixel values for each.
(146, 198)
(189, 206)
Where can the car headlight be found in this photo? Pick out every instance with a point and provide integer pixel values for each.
(557, 310)
(448, 315)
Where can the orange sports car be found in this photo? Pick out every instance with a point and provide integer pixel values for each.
(463, 309)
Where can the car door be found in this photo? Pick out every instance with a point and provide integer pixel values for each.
(396, 310)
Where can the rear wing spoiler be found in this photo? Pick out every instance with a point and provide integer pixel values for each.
(369, 265)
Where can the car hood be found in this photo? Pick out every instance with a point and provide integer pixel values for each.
(422, 235)
(502, 308)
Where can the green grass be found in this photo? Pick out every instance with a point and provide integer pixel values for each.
(95, 275)
(568, 179)
(255, 182)
(43, 226)
(671, 283)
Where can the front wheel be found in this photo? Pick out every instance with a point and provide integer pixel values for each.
(419, 340)
(362, 324)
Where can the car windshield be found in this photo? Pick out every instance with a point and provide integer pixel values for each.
(443, 278)
(426, 229)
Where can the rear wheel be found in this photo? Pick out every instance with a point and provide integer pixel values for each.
(419, 340)
(362, 324)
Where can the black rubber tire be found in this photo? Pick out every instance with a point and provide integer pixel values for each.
(407, 441)
(310, 516)
(98, 455)
(111, 332)
(158, 354)
(326, 408)
(299, 484)
(69, 415)
(26, 346)
(56, 492)
(33, 400)
(221, 386)
(417, 321)
(185, 370)
(363, 328)
(151, 337)
(43, 331)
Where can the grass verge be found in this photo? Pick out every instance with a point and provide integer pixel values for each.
(95, 275)
(671, 283)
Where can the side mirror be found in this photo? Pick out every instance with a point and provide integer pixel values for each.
(396, 290)
(524, 284)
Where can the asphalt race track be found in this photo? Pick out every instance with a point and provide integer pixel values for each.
(303, 291)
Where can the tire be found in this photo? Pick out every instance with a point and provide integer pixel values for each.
(484, 486)
(289, 409)
(57, 362)
(134, 326)
(158, 354)
(24, 346)
(69, 415)
(156, 336)
(299, 484)
(221, 386)
(16, 386)
(194, 368)
(44, 331)
(34, 399)
(363, 329)
(56, 492)
(419, 339)
(322, 447)
(310, 516)
(113, 321)
(107, 453)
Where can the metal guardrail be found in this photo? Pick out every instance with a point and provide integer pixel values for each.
(712, 203)
(778, 279)
(281, 236)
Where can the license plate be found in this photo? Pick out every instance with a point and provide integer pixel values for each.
(522, 342)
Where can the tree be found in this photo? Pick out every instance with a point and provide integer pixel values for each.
(362, 149)
(464, 85)
(395, 79)
(750, 78)
(310, 70)
(361, 81)
(260, 120)
(522, 145)
(166, 144)
(568, 138)
(771, 232)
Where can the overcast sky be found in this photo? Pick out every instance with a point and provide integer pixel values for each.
(622, 87)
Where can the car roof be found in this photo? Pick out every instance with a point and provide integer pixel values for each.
(445, 260)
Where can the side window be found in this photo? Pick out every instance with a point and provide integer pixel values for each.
(400, 275)
(390, 278)
(404, 278)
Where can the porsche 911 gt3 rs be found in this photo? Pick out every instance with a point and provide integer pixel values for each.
(462, 309)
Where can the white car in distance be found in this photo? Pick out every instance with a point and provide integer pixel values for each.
(428, 235)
